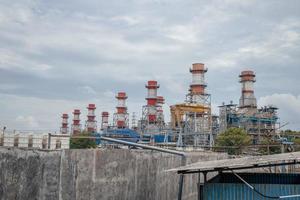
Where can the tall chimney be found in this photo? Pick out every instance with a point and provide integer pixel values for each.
(247, 78)
(152, 101)
(64, 125)
(160, 112)
(76, 126)
(91, 124)
(198, 85)
(104, 124)
(121, 116)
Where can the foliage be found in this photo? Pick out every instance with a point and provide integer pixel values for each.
(296, 144)
(234, 140)
(83, 143)
(296, 141)
(289, 132)
(274, 147)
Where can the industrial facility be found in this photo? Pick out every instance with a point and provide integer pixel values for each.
(192, 122)
(193, 118)
(258, 122)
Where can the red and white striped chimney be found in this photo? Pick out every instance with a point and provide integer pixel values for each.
(152, 101)
(198, 85)
(121, 117)
(91, 123)
(104, 124)
(247, 78)
(64, 125)
(160, 103)
(76, 126)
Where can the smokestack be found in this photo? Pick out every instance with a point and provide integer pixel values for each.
(121, 117)
(64, 125)
(152, 101)
(160, 112)
(198, 85)
(247, 78)
(105, 116)
(76, 127)
(91, 123)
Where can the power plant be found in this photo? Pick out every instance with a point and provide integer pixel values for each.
(192, 123)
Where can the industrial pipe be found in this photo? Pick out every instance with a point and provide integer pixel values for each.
(143, 146)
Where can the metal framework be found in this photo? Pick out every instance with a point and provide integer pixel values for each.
(193, 119)
(160, 113)
(149, 124)
(258, 123)
(134, 123)
(91, 123)
(121, 117)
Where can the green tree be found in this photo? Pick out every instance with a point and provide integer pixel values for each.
(82, 142)
(234, 140)
(270, 146)
(296, 144)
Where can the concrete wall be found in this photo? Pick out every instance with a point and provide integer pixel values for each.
(93, 174)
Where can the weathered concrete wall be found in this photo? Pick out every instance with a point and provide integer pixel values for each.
(93, 174)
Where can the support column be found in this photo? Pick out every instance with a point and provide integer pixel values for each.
(180, 190)
(201, 186)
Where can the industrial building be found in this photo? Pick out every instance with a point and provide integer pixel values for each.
(152, 121)
(193, 119)
(34, 140)
(192, 122)
(259, 123)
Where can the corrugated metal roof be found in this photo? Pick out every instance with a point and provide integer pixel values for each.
(225, 191)
(227, 186)
(240, 163)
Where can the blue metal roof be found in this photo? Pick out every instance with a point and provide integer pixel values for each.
(227, 186)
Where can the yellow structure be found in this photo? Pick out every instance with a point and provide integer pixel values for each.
(178, 112)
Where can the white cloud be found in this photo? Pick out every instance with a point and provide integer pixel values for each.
(183, 33)
(107, 46)
(12, 60)
(27, 121)
(130, 20)
(88, 90)
(109, 94)
(18, 12)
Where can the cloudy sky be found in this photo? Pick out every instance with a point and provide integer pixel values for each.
(63, 54)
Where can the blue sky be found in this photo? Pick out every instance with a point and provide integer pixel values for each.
(63, 54)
